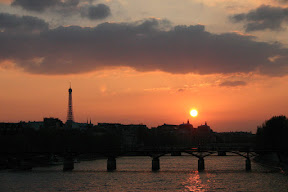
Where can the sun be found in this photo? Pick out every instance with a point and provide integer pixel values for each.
(194, 113)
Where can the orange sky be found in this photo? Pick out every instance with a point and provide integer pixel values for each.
(126, 96)
(155, 73)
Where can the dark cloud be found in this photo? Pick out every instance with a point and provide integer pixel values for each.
(99, 11)
(16, 24)
(42, 5)
(262, 18)
(232, 83)
(66, 8)
(145, 46)
(35, 5)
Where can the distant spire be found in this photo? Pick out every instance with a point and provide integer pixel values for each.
(206, 123)
(188, 121)
(90, 121)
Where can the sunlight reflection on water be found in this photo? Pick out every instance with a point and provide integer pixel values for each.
(194, 183)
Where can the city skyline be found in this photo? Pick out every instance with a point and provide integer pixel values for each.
(134, 63)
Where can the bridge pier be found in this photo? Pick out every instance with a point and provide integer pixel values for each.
(68, 163)
(155, 164)
(248, 164)
(111, 164)
(201, 164)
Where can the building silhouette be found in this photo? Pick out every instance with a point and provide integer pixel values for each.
(70, 118)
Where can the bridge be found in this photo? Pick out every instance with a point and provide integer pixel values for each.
(23, 159)
(198, 152)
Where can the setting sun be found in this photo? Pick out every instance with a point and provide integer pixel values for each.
(193, 112)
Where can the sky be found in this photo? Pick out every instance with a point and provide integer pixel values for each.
(149, 62)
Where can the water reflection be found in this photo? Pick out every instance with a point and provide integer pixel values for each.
(134, 174)
(197, 182)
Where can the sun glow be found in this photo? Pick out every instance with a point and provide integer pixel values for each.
(194, 113)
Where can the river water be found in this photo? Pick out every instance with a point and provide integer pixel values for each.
(134, 174)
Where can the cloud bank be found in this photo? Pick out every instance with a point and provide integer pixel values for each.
(262, 18)
(146, 45)
(15, 24)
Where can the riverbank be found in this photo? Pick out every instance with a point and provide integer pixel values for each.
(27, 163)
(274, 159)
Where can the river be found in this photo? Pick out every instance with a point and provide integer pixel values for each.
(222, 173)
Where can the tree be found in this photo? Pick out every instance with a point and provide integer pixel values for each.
(273, 134)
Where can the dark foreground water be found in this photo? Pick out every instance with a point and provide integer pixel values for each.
(134, 174)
